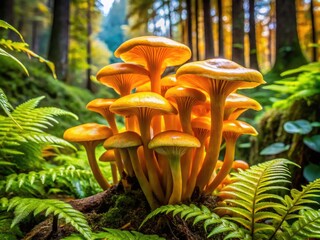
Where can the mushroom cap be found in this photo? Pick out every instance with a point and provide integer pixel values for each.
(184, 92)
(201, 123)
(235, 100)
(201, 74)
(240, 164)
(108, 156)
(133, 103)
(123, 140)
(202, 109)
(168, 82)
(167, 141)
(237, 128)
(99, 104)
(123, 76)
(87, 132)
(138, 50)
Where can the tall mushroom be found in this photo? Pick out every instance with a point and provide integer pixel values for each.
(155, 53)
(219, 78)
(174, 144)
(109, 156)
(232, 130)
(90, 135)
(145, 106)
(128, 142)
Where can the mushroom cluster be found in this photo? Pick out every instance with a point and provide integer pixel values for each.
(175, 125)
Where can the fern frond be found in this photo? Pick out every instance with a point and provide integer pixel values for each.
(254, 199)
(201, 214)
(24, 206)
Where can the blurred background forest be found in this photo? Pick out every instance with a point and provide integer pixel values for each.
(80, 36)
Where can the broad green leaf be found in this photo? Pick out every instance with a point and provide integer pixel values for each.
(275, 148)
(313, 142)
(299, 126)
(6, 25)
(311, 172)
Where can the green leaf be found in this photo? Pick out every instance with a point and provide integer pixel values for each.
(311, 172)
(298, 126)
(313, 142)
(275, 148)
(6, 25)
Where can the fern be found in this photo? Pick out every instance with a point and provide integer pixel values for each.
(75, 179)
(202, 214)
(253, 196)
(17, 140)
(24, 206)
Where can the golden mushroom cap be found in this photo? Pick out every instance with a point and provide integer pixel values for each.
(201, 123)
(123, 77)
(185, 92)
(235, 100)
(168, 141)
(133, 103)
(139, 49)
(123, 140)
(201, 74)
(108, 156)
(237, 128)
(100, 103)
(87, 132)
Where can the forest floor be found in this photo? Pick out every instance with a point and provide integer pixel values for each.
(125, 209)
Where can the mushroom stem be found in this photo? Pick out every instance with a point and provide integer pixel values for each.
(211, 158)
(114, 172)
(151, 163)
(226, 166)
(126, 160)
(90, 149)
(144, 184)
(174, 162)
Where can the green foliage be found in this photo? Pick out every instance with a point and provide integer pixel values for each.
(28, 137)
(255, 207)
(20, 47)
(24, 206)
(303, 86)
(116, 234)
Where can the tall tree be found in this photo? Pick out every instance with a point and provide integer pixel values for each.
(89, 32)
(6, 14)
(314, 32)
(197, 29)
(252, 37)
(288, 51)
(208, 36)
(59, 40)
(220, 28)
(238, 31)
(189, 23)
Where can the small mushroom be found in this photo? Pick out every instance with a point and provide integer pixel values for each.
(173, 144)
(90, 135)
(128, 143)
(232, 130)
(109, 156)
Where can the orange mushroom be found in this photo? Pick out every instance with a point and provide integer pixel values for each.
(219, 78)
(232, 129)
(174, 144)
(90, 135)
(145, 106)
(109, 156)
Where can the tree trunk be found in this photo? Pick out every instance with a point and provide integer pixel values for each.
(314, 32)
(252, 37)
(35, 36)
(220, 29)
(189, 23)
(89, 60)
(238, 31)
(170, 19)
(208, 36)
(59, 40)
(6, 14)
(197, 29)
(288, 51)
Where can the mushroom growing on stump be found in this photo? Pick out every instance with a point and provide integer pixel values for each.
(232, 130)
(128, 142)
(90, 135)
(145, 106)
(219, 78)
(109, 156)
(155, 53)
(173, 144)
